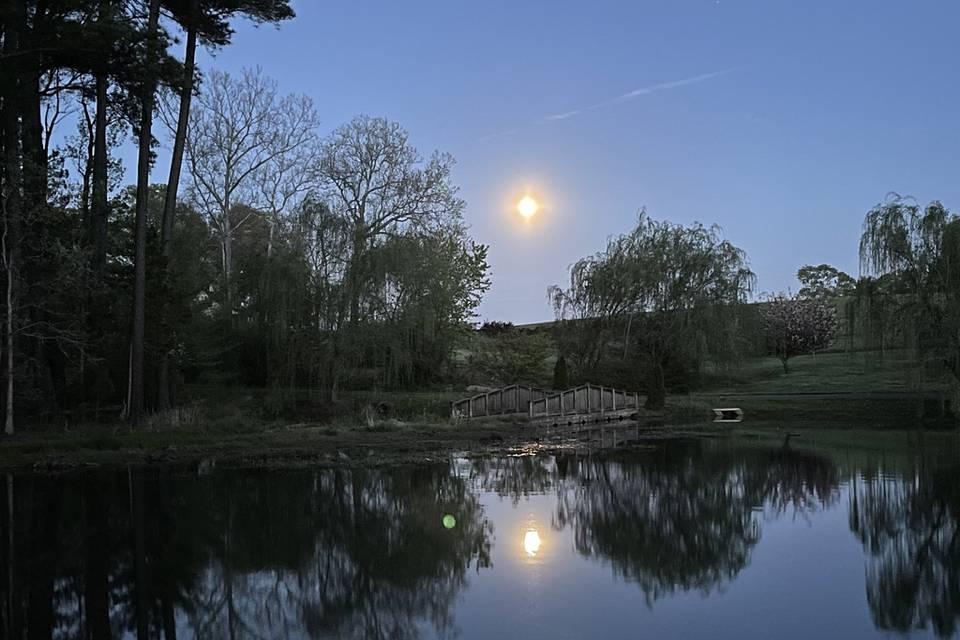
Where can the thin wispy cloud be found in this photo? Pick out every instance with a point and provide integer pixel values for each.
(565, 115)
(630, 95)
(636, 93)
(498, 134)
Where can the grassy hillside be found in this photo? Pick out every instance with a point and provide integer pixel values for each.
(866, 372)
(835, 390)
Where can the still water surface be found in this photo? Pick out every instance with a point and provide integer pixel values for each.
(692, 539)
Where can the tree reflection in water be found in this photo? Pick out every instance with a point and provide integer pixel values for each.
(366, 554)
(347, 554)
(684, 518)
(681, 518)
(910, 527)
(517, 477)
(673, 522)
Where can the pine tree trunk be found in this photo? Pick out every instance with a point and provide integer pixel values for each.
(170, 198)
(99, 211)
(135, 400)
(8, 424)
(12, 207)
(10, 240)
(86, 183)
(98, 227)
(34, 155)
(179, 143)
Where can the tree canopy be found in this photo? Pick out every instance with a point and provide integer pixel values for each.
(666, 291)
(824, 281)
(919, 248)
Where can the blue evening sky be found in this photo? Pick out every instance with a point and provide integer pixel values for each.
(783, 122)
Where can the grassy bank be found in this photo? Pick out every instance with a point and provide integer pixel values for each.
(260, 445)
(257, 426)
(834, 393)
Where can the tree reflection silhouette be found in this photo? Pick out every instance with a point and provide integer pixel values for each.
(911, 529)
(681, 518)
(517, 477)
(365, 553)
(346, 554)
(675, 521)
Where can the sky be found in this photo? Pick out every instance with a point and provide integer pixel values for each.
(783, 122)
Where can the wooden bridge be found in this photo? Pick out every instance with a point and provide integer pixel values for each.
(579, 405)
(506, 400)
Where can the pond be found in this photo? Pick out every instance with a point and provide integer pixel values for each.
(695, 538)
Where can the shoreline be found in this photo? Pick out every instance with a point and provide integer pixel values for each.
(283, 447)
(393, 443)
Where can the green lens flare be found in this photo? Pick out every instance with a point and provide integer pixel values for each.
(449, 521)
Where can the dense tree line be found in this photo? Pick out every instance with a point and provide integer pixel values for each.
(272, 255)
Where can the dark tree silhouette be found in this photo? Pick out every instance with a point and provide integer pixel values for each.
(349, 554)
(910, 527)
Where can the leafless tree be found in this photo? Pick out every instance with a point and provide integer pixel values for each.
(380, 184)
(237, 127)
(283, 182)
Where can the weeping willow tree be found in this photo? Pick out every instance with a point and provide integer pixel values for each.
(660, 294)
(423, 289)
(870, 317)
(919, 247)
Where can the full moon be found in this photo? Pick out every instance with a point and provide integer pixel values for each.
(527, 207)
(531, 542)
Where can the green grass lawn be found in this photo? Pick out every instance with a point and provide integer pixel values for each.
(838, 372)
(834, 390)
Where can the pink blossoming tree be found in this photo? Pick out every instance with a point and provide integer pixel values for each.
(793, 326)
